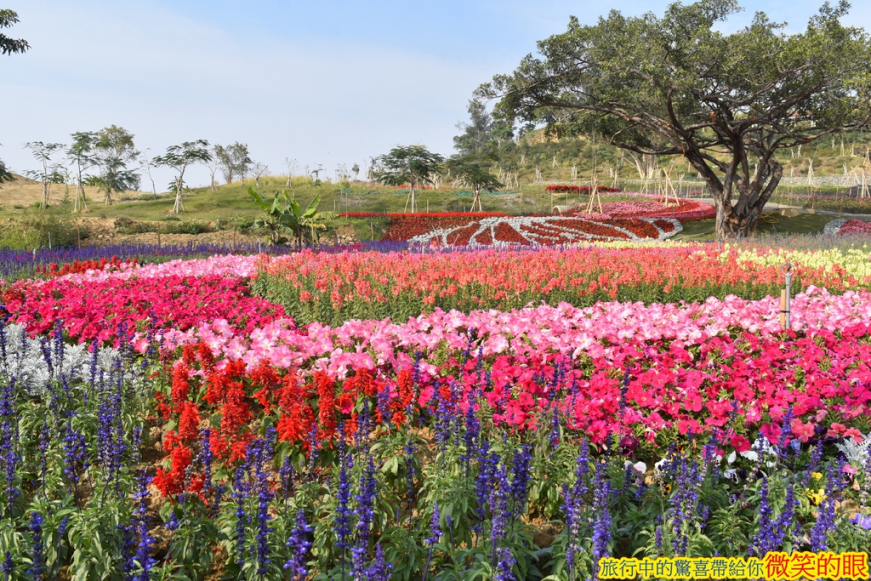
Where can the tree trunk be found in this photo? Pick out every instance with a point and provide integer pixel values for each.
(731, 224)
(476, 200)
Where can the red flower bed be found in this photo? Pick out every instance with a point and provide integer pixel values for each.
(562, 188)
(97, 309)
(421, 215)
(76, 267)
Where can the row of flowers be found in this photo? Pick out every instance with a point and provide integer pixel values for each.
(565, 188)
(337, 286)
(366, 285)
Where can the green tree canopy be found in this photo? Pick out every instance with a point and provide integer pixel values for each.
(234, 160)
(474, 172)
(412, 165)
(113, 149)
(81, 155)
(10, 45)
(5, 174)
(477, 133)
(674, 85)
(179, 158)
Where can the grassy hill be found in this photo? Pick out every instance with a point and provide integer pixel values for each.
(22, 193)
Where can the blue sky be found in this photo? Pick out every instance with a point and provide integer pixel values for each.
(322, 82)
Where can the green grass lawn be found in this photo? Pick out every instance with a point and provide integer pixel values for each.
(801, 224)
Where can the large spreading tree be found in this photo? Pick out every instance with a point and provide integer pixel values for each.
(676, 85)
(411, 165)
(9, 46)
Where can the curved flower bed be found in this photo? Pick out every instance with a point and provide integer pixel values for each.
(643, 219)
(846, 227)
(548, 230)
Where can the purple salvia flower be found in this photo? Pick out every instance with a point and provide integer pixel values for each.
(505, 565)
(602, 523)
(434, 526)
(207, 458)
(299, 546)
(435, 533)
(173, 523)
(379, 570)
(658, 535)
(472, 433)
(554, 426)
(264, 496)
(785, 432)
(784, 523)
(409, 472)
(240, 495)
(38, 566)
(343, 510)
(365, 498)
(826, 514)
(761, 542)
(482, 483)
(383, 405)
(520, 480)
(146, 562)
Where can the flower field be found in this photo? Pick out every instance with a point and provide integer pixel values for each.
(642, 218)
(846, 227)
(432, 413)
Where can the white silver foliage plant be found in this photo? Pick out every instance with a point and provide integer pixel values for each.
(34, 362)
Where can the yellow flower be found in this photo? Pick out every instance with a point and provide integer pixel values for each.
(816, 475)
(816, 496)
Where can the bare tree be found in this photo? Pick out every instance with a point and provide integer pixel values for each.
(292, 166)
(145, 164)
(42, 152)
(259, 170)
(213, 165)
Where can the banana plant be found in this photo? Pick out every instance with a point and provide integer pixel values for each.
(287, 214)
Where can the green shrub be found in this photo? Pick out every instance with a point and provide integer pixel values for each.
(43, 229)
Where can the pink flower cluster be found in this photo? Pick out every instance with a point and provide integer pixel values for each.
(650, 206)
(691, 365)
(599, 331)
(855, 227)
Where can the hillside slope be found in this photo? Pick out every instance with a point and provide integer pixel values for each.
(24, 192)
